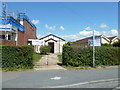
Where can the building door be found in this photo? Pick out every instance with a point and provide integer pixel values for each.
(51, 44)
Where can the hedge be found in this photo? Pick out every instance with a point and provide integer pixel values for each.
(116, 44)
(17, 57)
(78, 56)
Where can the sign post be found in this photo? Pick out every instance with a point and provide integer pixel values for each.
(93, 49)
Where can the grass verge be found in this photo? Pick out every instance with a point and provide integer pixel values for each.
(36, 57)
(88, 67)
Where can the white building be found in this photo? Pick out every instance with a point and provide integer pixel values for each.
(56, 43)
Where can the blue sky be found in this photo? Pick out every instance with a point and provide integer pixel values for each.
(70, 20)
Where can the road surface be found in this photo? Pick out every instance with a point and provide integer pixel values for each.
(96, 78)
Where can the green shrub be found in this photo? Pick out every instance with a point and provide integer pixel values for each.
(59, 57)
(77, 56)
(116, 44)
(106, 45)
(17, 57)
(67, 54)
(106, 56)
(45, 49)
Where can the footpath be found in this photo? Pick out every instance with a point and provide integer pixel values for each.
(48, 62)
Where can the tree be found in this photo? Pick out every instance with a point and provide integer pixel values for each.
(45, 49)
(68, 43)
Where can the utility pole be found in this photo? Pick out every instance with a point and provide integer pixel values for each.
(93, 49)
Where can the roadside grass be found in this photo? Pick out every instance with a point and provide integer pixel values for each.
(88, 67)
(36, 57)
(0, 68)
(15, 70)
(60, 57)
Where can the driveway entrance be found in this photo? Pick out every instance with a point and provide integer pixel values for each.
(48, 62)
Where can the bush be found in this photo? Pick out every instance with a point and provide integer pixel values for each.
(17, 57)
(116, 44)
(59, 57)
(107, 45)
(106, 56)
(67, 54)
(45, 49)
(77, 56)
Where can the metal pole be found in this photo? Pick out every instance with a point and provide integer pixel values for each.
(93, 49)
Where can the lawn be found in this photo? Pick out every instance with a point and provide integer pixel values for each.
(36, 57)
(60, 57)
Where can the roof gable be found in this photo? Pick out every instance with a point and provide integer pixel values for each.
(50, 39)
(111, 38)
(51, 35)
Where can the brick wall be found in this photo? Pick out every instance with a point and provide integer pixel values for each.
(7, 42)
(20, 38)
(30, 33)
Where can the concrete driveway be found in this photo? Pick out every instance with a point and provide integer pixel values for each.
(48, 62)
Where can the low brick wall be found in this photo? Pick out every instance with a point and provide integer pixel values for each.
(8, 42)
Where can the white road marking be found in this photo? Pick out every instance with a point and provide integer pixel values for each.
(84, 83)
(117, 88)
(55, 78)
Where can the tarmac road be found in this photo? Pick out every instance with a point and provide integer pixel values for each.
(61, 79)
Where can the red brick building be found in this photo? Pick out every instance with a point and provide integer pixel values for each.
(30, 30)
(17, 31)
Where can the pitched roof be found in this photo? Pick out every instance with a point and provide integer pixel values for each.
(51, 35)
(111, 38)
(81, 40)
(50, 39)
(85, 39)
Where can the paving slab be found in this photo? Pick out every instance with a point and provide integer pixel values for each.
(49, 67)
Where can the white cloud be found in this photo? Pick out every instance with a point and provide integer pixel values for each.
(46, 26)
(103, 26)
(112, 32)
(70, 37)
(50, 27)
(84, 34)
(62, 28)
(87, 28)
(35, 21)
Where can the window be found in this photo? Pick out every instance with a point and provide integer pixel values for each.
(2, 36)
(30, 42)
